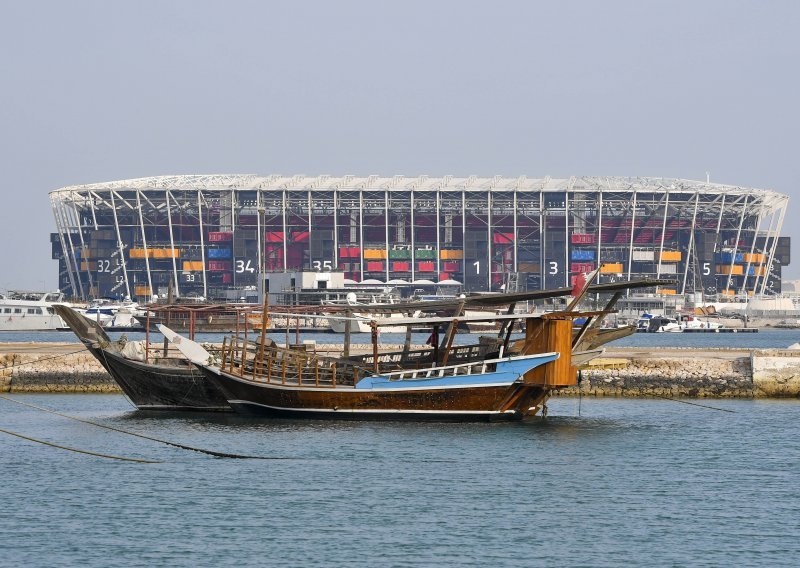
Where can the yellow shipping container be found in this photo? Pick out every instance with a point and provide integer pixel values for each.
(727, 269)
(611, 268)
(86, 265)
(374, 254)
(671, 256)
(142, 290)
(189, 265)
(166, 253)
(452, 254)
(761, 270)
(728, 293)
(666, 291)
(755, 258)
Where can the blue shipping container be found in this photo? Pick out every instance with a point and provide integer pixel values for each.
(582, 255)
(219, 253)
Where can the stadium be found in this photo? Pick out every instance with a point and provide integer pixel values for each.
(213, 235)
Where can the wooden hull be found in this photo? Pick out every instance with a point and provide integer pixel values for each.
(163, 387)
(471, 403)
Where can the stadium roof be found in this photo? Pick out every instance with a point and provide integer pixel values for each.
(419, 183)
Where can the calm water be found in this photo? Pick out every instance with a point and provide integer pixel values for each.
(628, 482)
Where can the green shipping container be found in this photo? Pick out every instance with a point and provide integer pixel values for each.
(426, 254)
(399, 254)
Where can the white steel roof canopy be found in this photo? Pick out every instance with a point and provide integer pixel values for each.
(251, 182)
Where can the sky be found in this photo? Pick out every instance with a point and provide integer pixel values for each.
(96, 91)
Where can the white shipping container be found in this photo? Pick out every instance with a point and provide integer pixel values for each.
(668, 269)
(644, 255)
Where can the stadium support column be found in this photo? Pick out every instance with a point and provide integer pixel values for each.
(413, 250)
(386, 228)
(774, 246)
(770, 235)
(542, 218)
(285, 233)
(566, 237)
(752, 248)
(202, 241)
(516, 236)
(144, 242)
(68, 258)
(360, 232)
(630, 247)
(599, 229)
(438, 236)
(167, 195)
(489, 237)
(736, 244)
(336, 234)
(691, 242)
(663, 233)
(74, 222)
(119, 244)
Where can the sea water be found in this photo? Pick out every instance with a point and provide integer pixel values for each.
(598, 482)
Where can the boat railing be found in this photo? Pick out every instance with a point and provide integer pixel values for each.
(273, 364)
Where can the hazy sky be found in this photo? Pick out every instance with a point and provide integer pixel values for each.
(100, 91)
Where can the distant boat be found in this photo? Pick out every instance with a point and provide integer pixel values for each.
(360, 314)
(115, 316)
(30, 311)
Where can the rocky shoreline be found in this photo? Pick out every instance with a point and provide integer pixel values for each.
(621, 372)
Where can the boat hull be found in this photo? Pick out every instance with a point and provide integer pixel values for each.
(162, 387)
(468, 403)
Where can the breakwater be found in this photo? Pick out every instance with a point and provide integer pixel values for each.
(695, 373)
(625, 372)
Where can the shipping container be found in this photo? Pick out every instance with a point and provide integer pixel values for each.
(426, 266)
(219, 253)
(219, 237)
(374, 266)
(190, 265)
(452, 254)
(374, 254)
(401, 266)
(425, 254)
(644, 255)
(612, 268)
(578, 254)
(670, 256)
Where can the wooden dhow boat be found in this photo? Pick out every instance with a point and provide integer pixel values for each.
(150, 382)
(260, 377)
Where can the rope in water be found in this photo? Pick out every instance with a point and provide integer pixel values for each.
(51, 444)
(694, 403)
(120, 430)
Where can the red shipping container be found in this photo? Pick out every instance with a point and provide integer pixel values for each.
(451, 266)
(426, 267)
(219, 265)
(355, 252)
(444, 276)
(273, 236)
(503, 238)
(582, 239)
(219, 237)
(375, 266)
(227, 278)
(401, 266)
(344, 252)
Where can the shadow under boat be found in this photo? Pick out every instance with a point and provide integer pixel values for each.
(149, 383)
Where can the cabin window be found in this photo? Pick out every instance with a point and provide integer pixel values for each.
(31, 310)
(17, 310)
(7, 310)
(50, 311)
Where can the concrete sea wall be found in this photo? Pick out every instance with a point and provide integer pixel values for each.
(626, 372)
(692, 373)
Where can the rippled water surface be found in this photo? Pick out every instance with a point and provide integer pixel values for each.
(628, 482)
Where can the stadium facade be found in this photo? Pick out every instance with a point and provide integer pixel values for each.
(209, 234)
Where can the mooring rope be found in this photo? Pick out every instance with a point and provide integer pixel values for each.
(174, 444)
(51, 444)
(694, 403)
